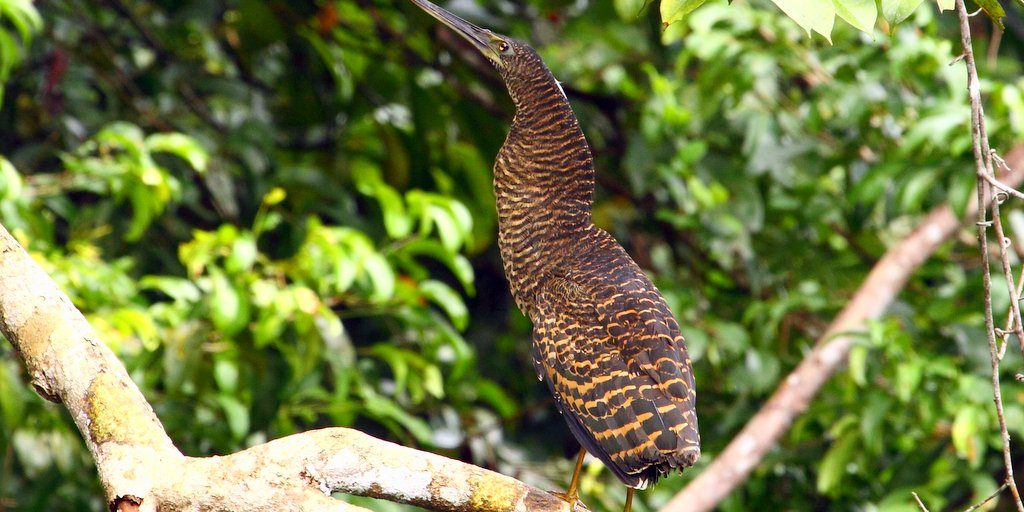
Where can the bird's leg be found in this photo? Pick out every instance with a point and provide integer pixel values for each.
(572, 495)
(629, 500)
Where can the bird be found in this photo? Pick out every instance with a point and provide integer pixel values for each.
(604, 340)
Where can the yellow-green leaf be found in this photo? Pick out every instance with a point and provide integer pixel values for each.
(993, 10)
(675, 10)
(810, 15)
(896, 11)
(859, 13)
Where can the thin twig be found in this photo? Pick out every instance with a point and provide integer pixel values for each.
(988, 499)
(983, 167)
(919, 502)
(1001, 186)
(1004, 245)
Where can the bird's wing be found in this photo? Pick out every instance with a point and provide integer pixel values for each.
(620, 376)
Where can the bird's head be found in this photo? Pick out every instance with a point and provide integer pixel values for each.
(509, 55)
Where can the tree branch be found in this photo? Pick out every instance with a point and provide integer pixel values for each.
(794, 394)
(986, 178)
(140, 469)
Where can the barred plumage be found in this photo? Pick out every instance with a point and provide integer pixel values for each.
(604, 340)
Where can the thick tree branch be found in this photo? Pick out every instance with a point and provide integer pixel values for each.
(794, 394)
(140, 469)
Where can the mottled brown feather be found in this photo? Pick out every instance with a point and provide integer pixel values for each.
(604, 339)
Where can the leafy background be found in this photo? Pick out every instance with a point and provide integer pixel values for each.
(279, 215)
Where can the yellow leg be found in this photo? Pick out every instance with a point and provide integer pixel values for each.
(572, 495)
(629, 500)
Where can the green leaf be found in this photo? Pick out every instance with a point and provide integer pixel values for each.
(833, 465)
(180, 145)
(8, 56)
(433, 382)
(12, 394)
(895, 11)
(816, 15)
(960, 192)
(368, 180)
(383, 408)
(275, 196)
(225, 372)
(497, 397)
(450, 301)
(858, 364)
(10, 180)
(229, 308)
(908, 378)
(242, 256)
(177, 288)
(964, 433)
(629, 10)
(674, 10)
(447, 229)
(458, 264)
(397, 361)
(993, 10)
(913, 194)
(236, 414)
(381, 276)
(859, 13)
(23, 15)
(946, 5)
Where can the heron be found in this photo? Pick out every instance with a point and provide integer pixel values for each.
(604, 340)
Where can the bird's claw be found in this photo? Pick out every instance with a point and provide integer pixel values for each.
(575, 503)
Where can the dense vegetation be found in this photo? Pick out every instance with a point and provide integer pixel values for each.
(279, 215)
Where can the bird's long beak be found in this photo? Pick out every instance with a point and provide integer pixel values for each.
(480, 38)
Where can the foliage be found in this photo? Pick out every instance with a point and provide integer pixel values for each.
(819, 16)
(279, 215)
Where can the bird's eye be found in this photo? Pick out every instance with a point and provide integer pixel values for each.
(503, 47)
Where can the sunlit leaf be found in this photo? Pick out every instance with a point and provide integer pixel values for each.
(229, 308)
(859, 13)
(242, 255)
(675, 10)
(10, 180)
(994, 11)
(237, 415)
(442, 295)
(23, 15)
(816, 15)
(896, 11)
(833, 465)
(381, 276)
(433, 382)
(180, 145)
(858, 364)
(630, 9)
(384, 408)
(225, 372)
(275, 196)
(964, 433)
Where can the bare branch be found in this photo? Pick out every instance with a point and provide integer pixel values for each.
(140, 469)
(796, 391)
(1001, 186)
(920, 503)
(990, 497)
(984, 170)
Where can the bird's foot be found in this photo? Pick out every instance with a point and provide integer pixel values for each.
(574, 501)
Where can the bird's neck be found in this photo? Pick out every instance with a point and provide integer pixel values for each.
(544, 185)
(545, 167)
